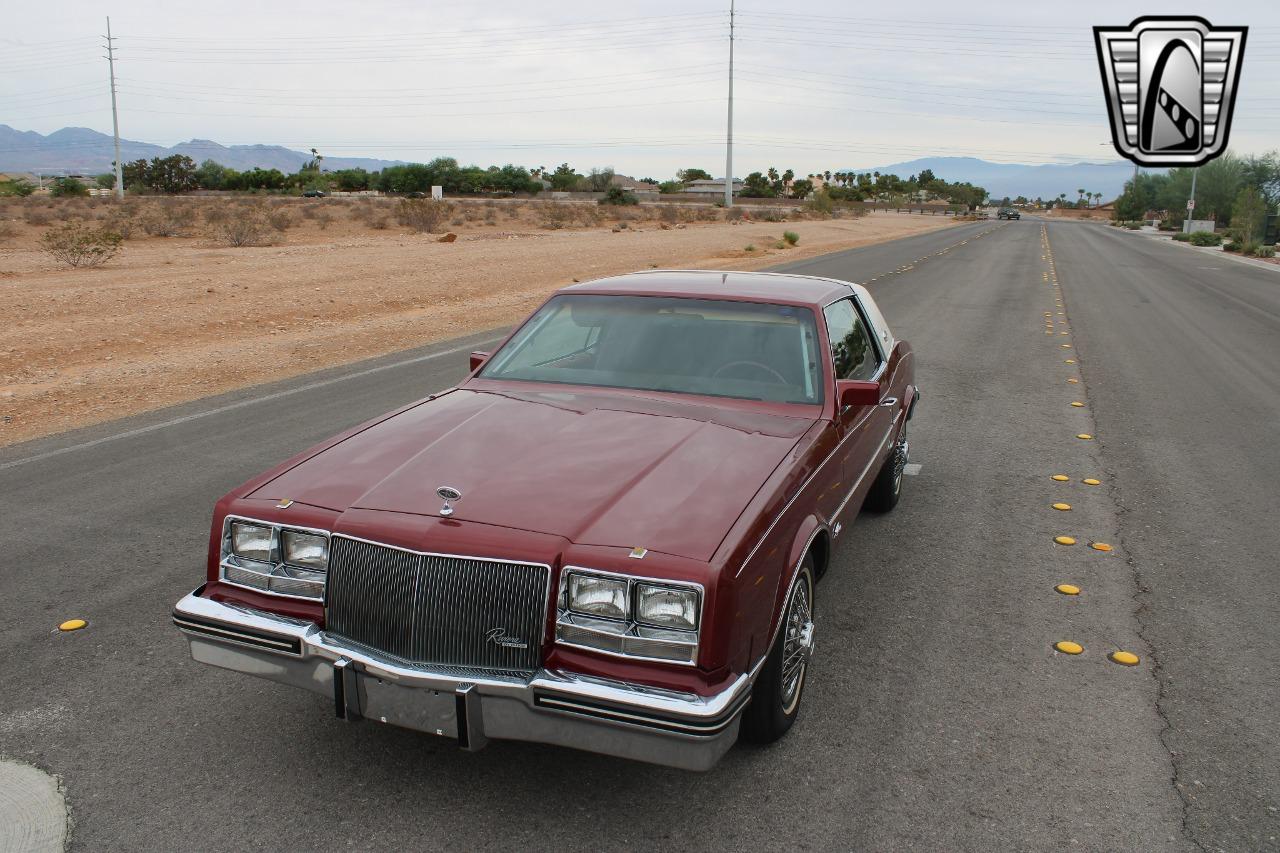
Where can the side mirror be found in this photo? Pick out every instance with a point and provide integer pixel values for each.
(477, 359)
(857, 392)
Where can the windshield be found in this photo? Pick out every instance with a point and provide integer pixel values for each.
(747, 350)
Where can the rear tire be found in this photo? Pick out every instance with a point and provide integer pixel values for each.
(776, 695)
(887, 488)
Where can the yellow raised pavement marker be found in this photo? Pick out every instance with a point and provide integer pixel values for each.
(1065, 346)
(72, 625)
(1061, 506)
(1084, 436)
(1090, 481)
(1071, 361)
(1124, 658)
(1074, 381)
(1061, 478)
(1100, 546)
(1077, 404)
(1067, 589)
(1064, 540)
(1068, 648)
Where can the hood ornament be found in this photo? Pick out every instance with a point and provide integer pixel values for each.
(447, 494)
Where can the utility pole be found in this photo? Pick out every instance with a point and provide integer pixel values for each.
(728, 154)
(115, 117)
(1191, 203)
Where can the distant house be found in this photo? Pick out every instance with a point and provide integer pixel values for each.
(633, 186)
(714, 186)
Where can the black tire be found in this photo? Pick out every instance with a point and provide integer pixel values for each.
(775, 697)
(887, 488)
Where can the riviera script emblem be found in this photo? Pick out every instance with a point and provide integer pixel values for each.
(1170, 85)
(500, 637)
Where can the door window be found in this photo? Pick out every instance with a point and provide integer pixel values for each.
(852, 350)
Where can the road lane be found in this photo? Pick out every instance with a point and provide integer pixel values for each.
(1180, 350)
(938, 716)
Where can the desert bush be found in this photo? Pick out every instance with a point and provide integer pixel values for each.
(323, 219)
(618, 196)
(733, 213)
(1169, 225)
(379, 223)
(169, 219)
(457, 221)
(791, 237)
(7, 231)
(669, 214)
(1264, 251)
(1182, 237)
(79, 245)
(36, 216)
(1205, 238)
(1132, 226)
(121, 222)
(246, 227)
(309, 211)
(751, 247)
(555, 215)
(768, 214)
(424, 215)
(278, 218)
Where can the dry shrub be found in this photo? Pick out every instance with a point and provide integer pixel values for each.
(247, 226)
(309, 211)
(7, 231)
(379, 223)
(423, 215)
(36, 216)
(457, 221)
(669, 214)
(79, 245)
(733, 214)
(121, 221)
(278, 218)
(323, 219)
(169, 218)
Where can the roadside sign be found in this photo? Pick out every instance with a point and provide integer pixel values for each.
(1191, 204)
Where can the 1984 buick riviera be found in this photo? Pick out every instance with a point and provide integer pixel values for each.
(607, 537)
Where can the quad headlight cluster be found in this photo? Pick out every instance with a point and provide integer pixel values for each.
(273, 558)
(628, 616)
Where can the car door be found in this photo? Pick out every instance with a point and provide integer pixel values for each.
(856, 354)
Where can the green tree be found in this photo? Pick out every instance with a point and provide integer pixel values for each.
(669, 187)
(801, 188)
(1217, 186)
(68, 188)
(757, 185)
(20, 187)
(686, 176)
(564, 178)
(105, 181)
(210, 175)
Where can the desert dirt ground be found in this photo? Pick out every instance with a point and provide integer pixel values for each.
(172, 319)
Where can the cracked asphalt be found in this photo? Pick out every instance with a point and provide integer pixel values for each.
(938, 714)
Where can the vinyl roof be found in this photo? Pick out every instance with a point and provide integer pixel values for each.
(718, 284)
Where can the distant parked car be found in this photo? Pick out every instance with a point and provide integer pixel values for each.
(415, 194)
(1008, 213)
(313, 193)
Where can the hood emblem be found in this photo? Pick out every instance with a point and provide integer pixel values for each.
(448, 494)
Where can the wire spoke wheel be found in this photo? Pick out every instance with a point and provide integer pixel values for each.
(797, 645)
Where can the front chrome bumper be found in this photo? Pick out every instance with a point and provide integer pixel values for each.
(598, 715)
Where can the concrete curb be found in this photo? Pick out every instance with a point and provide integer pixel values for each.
(33, 811)
(1216, 251)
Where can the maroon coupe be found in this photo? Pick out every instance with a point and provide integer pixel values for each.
(607, 537)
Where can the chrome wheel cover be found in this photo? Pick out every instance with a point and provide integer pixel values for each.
(797, 645)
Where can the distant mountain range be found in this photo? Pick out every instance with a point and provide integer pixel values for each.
(1013, 180)
(79, 150)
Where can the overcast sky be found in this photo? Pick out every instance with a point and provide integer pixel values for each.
(638, 86)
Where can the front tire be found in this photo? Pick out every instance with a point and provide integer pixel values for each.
(776, 695)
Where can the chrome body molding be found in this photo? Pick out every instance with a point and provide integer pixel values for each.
(600, 715)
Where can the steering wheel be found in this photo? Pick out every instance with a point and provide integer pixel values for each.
(764, 367)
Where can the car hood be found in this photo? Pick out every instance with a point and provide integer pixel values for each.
(596, 469)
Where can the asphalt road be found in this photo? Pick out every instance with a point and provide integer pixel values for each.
(938, 715)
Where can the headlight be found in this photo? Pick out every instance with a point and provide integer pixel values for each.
(305, 550)
(598, 596)
(667, 607)
(251, 540)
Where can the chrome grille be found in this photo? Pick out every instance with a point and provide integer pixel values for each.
(437, 609)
